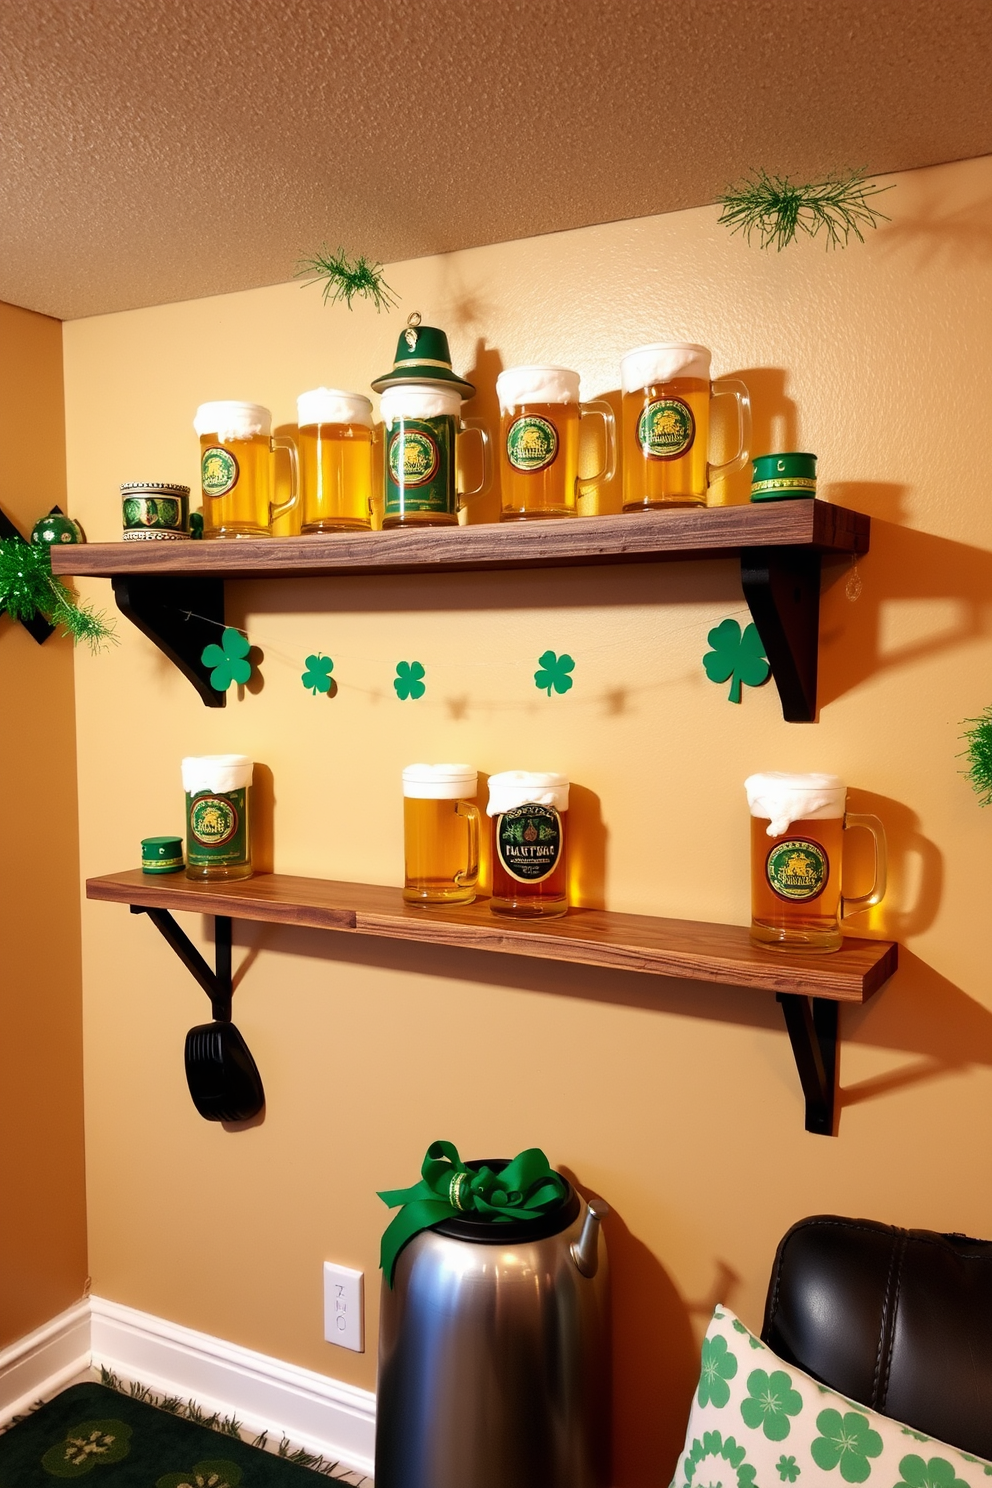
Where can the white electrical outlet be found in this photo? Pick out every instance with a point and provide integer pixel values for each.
(344, 1307)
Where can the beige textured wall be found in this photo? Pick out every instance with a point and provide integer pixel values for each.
(43, 1233)
(678, 1102)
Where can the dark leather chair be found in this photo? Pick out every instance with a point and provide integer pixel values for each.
(900, 1320)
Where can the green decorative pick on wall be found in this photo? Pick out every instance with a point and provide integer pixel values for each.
(777, 210)
(978, 753)
(29, 588)
(554, 672)
(408, 681)
(317, 677)
(737, 657)
(344, 278)
(228, 660)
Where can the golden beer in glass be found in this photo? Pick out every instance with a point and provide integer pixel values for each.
(797, 833)
(666, 425)
(539, 442)
(440, 834)
(529, 814)
(335, 443)
(236, 469)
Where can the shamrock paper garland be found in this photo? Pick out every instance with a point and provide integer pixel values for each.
(736, 656)
(554, 672)
(408, 681)
(229, 659)
(317, 677)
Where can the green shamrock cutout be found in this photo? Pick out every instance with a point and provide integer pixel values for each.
(788, 1469)
(408, 680)
(317, 676)
(937, 1473)
(86, 1446)
(770, 1402)
(228, 659)
(554, 672)
(214, 1474)
(846, 1440)
(739, 657)
(717, 1367)
(713, 1445)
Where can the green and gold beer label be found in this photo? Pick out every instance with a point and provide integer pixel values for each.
(218, 471)
(529, 842)
(666, 429)
(413, 457)
(531, 443)
(797, 869)
(420, 467)
(217, 828)
(153, 511)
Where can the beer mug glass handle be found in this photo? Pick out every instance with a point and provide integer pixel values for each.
(288, 443)
(731, 387)
(470, 877)
(600, 409)
(875, 894)
(478, 427)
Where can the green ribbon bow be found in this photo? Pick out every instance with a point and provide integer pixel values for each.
(527, 1188)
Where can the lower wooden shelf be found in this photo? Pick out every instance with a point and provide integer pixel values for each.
(594, 937)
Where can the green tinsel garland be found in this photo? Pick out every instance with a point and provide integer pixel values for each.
(28, 588)
(344, 278)
(979, 756)
(776, 209)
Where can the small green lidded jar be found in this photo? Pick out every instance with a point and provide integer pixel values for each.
(218, 816)
(162, 855)
(784, 477)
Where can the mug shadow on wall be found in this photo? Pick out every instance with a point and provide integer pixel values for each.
(773, 429)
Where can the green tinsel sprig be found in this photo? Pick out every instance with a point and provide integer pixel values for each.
(978, 753)
(345, 278)
(777, 210)
(28, 588)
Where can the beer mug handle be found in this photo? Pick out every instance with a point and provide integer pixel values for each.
(600, 409)
(730, 387)
(288, 443)
(877, 890)
(478, 427)
(470, 812)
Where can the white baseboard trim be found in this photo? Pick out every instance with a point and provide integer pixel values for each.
(38, 1365)
(316, 1412)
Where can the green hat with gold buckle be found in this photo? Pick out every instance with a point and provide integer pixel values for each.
(422, 355)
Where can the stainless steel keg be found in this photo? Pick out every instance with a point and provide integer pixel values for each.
(494, 1355)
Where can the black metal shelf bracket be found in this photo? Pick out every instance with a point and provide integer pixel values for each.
(782, 589)
(180, 615)
(812, 1027)
(217, 984)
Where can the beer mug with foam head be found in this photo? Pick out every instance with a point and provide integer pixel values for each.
(422, 424)
(236, 469)
(539, 442)
(666, 425)
(797, 829)
(440, 834)
(335, 444)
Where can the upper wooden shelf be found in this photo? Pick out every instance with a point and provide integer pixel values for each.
(594, 937)
(639, 537)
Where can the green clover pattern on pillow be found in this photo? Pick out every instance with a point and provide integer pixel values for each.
(741, 1417)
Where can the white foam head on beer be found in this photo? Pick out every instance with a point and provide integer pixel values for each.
(416, 400)
(230, 420)
(440, 782)
(331, 406)
(519, 385)
(216, 773)
(515, 788)
(663, 361)
(785, 798)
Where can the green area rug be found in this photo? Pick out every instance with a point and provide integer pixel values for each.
(115, 1442)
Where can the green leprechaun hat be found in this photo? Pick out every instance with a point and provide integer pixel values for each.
(422, 355)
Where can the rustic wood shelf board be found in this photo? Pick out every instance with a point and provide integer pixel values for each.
(671, 948)
(639, 537)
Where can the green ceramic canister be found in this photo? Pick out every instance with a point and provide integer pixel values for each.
(419, 466)
(162, 855)
(218, 816)
(155, 509)
(783, 477)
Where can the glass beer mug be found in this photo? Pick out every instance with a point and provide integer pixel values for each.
(440, 834)
(335, 446)
(666, 425)
(236, 459)
(422, 424)
(797, 829)
(529, 844)
(539, 442)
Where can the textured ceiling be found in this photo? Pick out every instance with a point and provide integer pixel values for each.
(155, 150)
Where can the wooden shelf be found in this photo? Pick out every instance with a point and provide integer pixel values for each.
(593, 937)
(174, 591)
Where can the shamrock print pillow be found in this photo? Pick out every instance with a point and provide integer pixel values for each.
(757, 1422)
